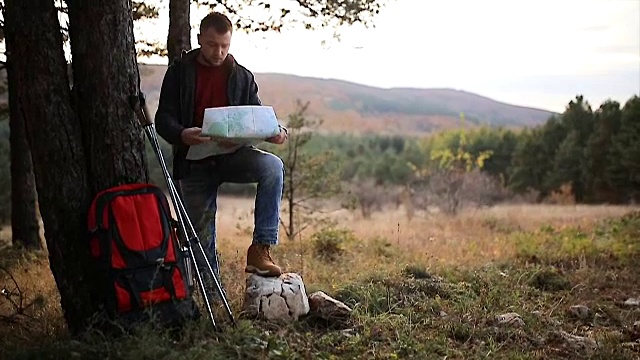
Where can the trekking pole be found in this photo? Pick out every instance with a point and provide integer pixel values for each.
(186, 227)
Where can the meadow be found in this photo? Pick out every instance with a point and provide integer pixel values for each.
(564, 277)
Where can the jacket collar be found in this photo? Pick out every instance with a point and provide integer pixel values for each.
(190, 57)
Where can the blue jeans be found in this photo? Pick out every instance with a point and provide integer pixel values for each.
(247, 165)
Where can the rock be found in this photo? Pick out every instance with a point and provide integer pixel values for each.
(510, 319)
(580, 311)
(348, 332)
(632, 302)
(328, 308)
(280, 298)
(576, 342)
(443, 314)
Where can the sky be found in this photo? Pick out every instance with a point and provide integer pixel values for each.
(532, 53)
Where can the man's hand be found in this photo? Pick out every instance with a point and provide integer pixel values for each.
(278, 139)
(193, 136)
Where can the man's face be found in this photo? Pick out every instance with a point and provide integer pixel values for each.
(214, 47)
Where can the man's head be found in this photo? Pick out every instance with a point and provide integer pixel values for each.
(215, 38)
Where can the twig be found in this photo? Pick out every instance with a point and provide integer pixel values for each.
(7, 294)
(554, 307)
(303, 227)
(286, 230)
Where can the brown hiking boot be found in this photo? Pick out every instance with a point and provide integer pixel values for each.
(259, 261)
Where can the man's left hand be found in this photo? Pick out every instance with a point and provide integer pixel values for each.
(278, 139)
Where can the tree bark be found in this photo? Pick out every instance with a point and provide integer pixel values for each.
(105, 76)
(179, 37)
(25, 230)
(33, 38)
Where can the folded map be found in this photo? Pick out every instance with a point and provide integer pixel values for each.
(241, 125)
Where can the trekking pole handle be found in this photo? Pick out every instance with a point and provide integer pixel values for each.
(139, 105)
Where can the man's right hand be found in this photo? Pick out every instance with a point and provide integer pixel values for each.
(193, 136)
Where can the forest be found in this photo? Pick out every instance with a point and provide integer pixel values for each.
(583, 155)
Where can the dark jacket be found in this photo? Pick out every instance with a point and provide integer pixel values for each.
(177, 101)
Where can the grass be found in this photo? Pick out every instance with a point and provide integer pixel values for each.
(430, 288)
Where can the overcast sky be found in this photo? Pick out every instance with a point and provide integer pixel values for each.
(534, 53)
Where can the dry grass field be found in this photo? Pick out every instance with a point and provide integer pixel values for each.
(473, 237)
(508, 258)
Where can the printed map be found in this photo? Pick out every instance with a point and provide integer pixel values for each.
(242, 125)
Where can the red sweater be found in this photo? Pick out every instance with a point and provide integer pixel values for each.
(211, 89)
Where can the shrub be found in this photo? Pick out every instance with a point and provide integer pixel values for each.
(549, 279)
(562, 196)
(416, 271)
(328, 243)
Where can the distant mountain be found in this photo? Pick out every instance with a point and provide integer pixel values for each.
(354, 108)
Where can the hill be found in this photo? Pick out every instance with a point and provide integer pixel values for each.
(349, 107)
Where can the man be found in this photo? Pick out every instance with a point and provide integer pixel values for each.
(209, 77)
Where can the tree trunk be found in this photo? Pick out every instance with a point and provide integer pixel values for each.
(291, 190)
(33, 38)
(179, 37)
(105, 77)
(25, 230)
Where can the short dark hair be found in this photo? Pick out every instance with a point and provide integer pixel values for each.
(218, 21)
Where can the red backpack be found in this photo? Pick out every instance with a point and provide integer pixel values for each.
(133, 239)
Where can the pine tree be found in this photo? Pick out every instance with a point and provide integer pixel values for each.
(606, 125)
(623, 172)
